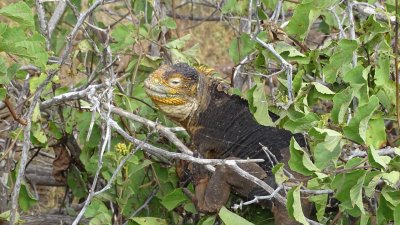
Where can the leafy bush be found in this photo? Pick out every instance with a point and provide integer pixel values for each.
(72, 79)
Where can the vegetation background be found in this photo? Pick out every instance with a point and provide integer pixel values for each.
(81, 143)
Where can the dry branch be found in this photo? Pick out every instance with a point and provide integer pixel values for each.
(49, 219)
(42, 176)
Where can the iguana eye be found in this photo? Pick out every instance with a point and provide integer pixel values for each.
(174, 81)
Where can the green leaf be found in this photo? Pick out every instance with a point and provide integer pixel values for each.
(26, 199)
(16, 42)
(34, 47)
(396, 215)
(341, 102)
(391, 178)
(357, 128)
(384, 213)
(278, 171)
(4, 78)
(35, 82)
(77, 183)
(356, 193)
(370, 189)
(36, 114)
(322, 89)
(122, 36)
(341, 58)
(173, 199)
(300, 22)
(169, 23)
(99, 213)
(376, 160)
(376, 133)
(357, 75)
(329, 149)
(149, 221)
(3, 94)
(281, 47)
(259, 104)
(300, 160)
(382, 72)
(304, 15)
(320, 205)
(235, 7)
(303, 123)
(19, 12)
(207, 220)
(5, 215)
(230, 218)
(178, 43)
(38, 133)
(348, 188)
(293, 205)
(392, 196)
(241, 47)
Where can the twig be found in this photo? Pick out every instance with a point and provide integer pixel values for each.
(257, 199)
(145, 204)
(76, 28)
(387, 151)
(92, 194)
(105, 141)
(342, 34)
(55, 18)
(42, 22)
(163, 130)
(366, 9)
(173, 155)
(285, 65)
(313, 192)
(12, 111)
(352, 29)
(230, 163)
(269, 153)
(25, 149)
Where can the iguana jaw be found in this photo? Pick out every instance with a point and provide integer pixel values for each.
(159, 95)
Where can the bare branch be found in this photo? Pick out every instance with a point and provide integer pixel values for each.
(257, 199)
(285, 65)
(42, 22)
(352, 29)
(173, 155)
(77, 26)
(145, 204)
(163, 130)
(55, 18)
(366, 9)
(25, 149)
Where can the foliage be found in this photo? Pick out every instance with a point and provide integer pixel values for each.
(344, 101)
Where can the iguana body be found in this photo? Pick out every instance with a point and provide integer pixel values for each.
(221, 126)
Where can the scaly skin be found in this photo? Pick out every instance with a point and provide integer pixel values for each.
(221, 126)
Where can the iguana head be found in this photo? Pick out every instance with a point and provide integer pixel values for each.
(174, 89)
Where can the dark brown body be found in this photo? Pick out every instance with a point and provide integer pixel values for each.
(221, 126)
(227, 129)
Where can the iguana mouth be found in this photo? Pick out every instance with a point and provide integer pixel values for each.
(154, 90)
(160, 95)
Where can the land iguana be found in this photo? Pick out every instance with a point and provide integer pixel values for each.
(220, 126)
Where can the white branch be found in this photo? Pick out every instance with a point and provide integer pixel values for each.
(55, 18)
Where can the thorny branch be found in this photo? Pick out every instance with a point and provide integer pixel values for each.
(25, 149)
(28, 116)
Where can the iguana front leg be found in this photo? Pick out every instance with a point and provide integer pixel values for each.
(212, 192)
